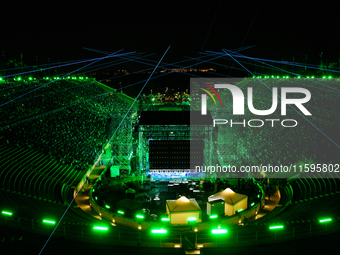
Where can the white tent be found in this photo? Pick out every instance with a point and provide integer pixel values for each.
(233, 201)
(182, 209)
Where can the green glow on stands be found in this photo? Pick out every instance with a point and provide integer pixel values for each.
(120, 212)
(219, 231)
(325, 220)
(49, 221)
(252, 204)
(239, 210)
(192, 219)
(139, 216)
(213, 216)
(275, 227)
(100, 228)
(165, 219)
(107, 206)
(7, 213)
(159, 231)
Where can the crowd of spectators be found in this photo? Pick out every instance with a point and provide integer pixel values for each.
(66, 119)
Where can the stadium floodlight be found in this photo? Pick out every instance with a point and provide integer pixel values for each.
(325, 220)
(165, 219)
(192, 219)
(239, 210)
(107, 206)
(7, 213)
(219, 231)
(330, 77)
(120, 212)
(276, 227)
(139, 216)
(252, 204)
(323, 77)
(159, 231)
(100, 228)
(49, 222)
(313, 77)
(213, 216)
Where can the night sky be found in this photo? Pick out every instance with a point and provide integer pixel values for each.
(60, 30)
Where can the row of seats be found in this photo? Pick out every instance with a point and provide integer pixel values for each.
(314, 187)
(33, 174)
